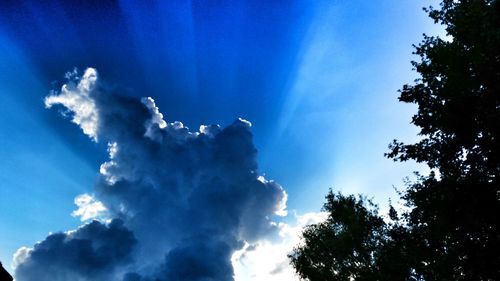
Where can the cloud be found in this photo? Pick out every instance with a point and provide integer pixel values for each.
(190, 198)
(76, 98)
(266, 260)
(92, 252)
(88, 208)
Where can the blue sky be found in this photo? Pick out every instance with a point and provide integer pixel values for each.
(317, 79)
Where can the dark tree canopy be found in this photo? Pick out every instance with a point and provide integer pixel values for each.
(354, 243)
(455, 209)
(451, 231)
(344, 245)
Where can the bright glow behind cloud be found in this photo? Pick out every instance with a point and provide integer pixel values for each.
(267, 260)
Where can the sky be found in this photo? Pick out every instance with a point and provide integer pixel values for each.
(308, 87)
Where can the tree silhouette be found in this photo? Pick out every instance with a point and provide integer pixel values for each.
(4, 275)
(451, 231)
(455, 209)
(354, 243)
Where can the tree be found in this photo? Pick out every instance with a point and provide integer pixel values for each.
(343, 246)
(454, 210)
(451, 231)
(353, 243)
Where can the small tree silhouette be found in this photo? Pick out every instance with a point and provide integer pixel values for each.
(4, 275)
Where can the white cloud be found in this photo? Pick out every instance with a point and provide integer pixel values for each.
(20, 256)
(77, 99)
(156, 117)
(107, 168)
(88, 208)
(246, 122)
(209, 130)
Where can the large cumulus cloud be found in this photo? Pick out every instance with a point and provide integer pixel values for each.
(191, 198)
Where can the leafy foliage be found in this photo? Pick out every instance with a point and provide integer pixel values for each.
(452, 229)
(455, 213)
(343, 246)
(354, 243)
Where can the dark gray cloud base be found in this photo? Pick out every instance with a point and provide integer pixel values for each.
(187, 199)
(92, 252)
